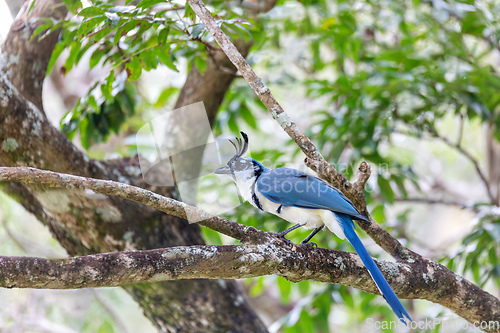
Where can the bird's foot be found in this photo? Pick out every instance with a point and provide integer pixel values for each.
(311, 244)
(282, 237)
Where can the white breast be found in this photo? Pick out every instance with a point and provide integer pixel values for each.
(308, 218)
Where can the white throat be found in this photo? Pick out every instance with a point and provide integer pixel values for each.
(245, 181)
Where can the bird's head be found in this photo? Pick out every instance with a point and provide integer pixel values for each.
(241, 167)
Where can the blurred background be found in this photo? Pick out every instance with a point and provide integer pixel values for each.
(411, 87)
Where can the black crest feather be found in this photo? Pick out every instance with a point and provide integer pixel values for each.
(241, 146)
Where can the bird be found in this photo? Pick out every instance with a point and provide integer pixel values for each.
(306, 201)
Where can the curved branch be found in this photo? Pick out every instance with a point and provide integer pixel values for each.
(137, 194)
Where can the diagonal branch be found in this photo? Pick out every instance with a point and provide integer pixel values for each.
(314, 158)
(84, 222)
(137, 194)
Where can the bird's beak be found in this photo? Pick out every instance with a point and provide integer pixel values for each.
(224, 170)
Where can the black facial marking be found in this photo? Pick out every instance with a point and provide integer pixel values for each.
(257, 169)
(278, 211)
(256, 200)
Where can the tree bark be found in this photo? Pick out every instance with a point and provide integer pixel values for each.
(86, 223)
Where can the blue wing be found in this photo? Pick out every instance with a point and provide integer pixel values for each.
(290, 187)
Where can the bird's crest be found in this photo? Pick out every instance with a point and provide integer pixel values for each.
(241, 146)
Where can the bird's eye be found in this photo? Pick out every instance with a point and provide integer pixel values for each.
(240, 164)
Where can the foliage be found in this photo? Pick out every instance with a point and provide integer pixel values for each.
(479, 252)
(126, 40)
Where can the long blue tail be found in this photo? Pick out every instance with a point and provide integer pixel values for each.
(348, 227)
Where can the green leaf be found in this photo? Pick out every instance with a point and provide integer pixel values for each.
(285, 287)
(303, 287)
(189, 12)
(32, 5)
(101, 33)
(473, 23)
(197, 29)
(41, 28)
(85, 133)
(89, 25)
(378, 213)
(55, 54)
(201, 64)
(163, 36)
(258, 286)
(134, 69)
(385, 189)
(165, 59)
(97, 56)
(347, 298)
(91, 11)
(126, 100)
(124, 29)
(92, 103)
(233, 126)
(73, 54)
(148, 60)
(247, 116)
(149, 3)
(165, 96)
(107, 88)
(106, 327)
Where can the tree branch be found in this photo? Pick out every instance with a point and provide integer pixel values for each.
(425, 280)
(137, 194)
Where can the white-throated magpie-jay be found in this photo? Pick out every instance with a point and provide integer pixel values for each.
(306, 201)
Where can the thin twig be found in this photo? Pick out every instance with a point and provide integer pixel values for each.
(438, 202)
(474, 161)
(110, 309)
(460, 129)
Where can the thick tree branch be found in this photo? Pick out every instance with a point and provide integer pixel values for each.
(423, 280)
(314, 159)
(25, 64)
(188, 262)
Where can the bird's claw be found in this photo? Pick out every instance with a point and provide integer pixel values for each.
(281, 237)
(309, 244)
